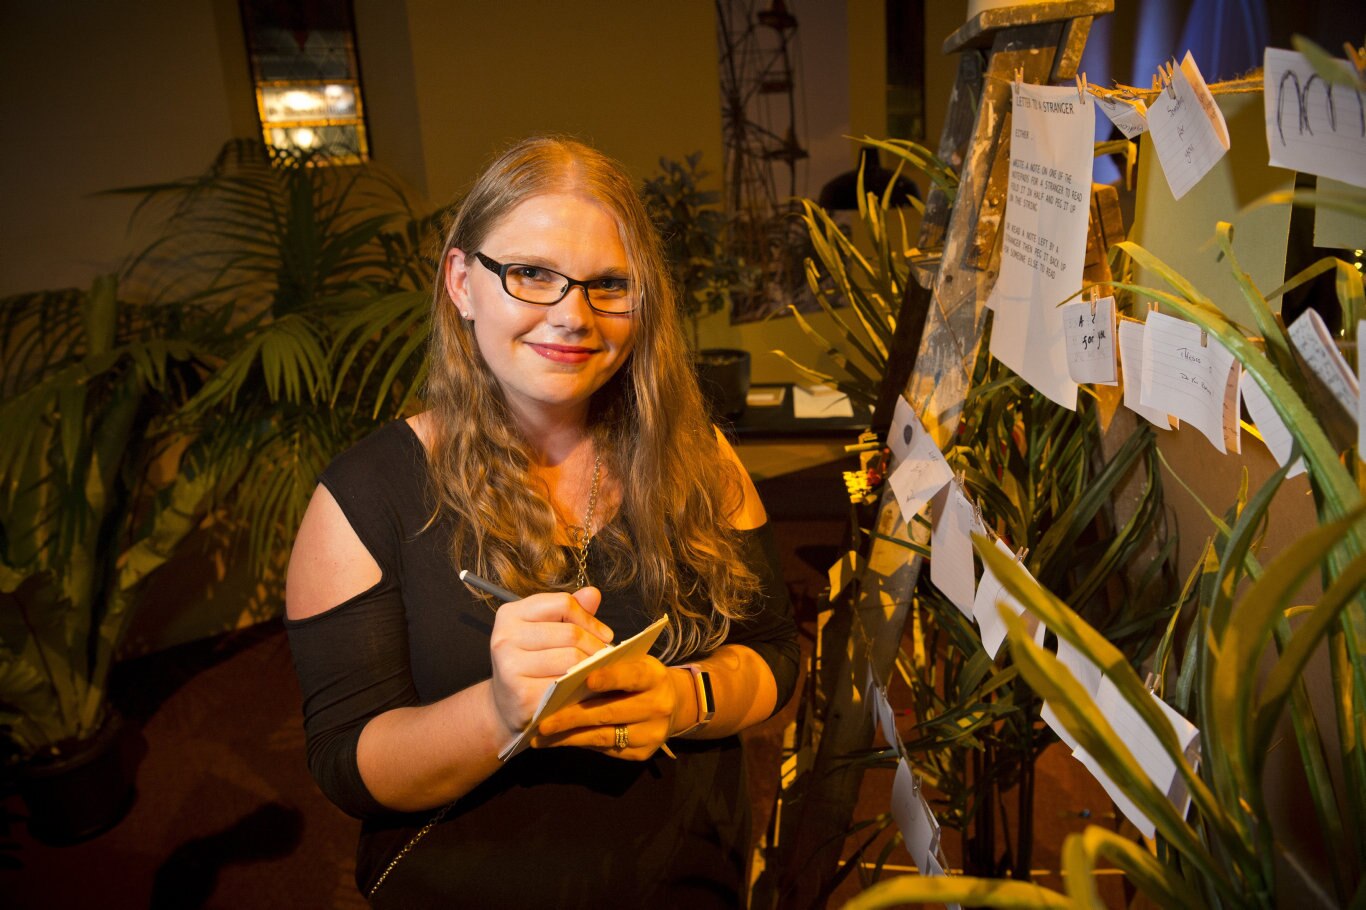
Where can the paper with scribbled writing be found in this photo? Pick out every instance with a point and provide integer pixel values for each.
(1147, 750)
(1043, 246)
(1312, 125)
(1314, 343)
(1090, 333)
(1187, 127)
(990, 592)
(1193, 376)
(922, 471)
(1269, 424)
(1130, 116)
(1131, 366)
(951, 568)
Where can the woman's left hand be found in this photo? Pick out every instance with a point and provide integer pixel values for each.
(639, 695)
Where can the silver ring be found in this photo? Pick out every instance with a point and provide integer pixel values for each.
(623, 738)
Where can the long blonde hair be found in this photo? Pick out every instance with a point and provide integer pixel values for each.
(673, 535)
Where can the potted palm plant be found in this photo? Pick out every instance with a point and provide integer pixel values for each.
(706, 273)
(128, 422)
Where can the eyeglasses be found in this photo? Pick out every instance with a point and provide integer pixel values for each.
(546, 287)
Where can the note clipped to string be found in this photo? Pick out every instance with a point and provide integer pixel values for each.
(1090, 333)
(902, 429)
(990, 592)
(1187, 127)
(1269, 424)
(915, 819)
(922, 473)
(1043, 247)
(1129, 115)
(1193, 376)
(1311, 125)
(1135, 733)
(951, 569)
(1131, 365)
(1088, 676)
(1314, 343)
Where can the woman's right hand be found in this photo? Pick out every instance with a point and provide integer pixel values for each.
(534, 641)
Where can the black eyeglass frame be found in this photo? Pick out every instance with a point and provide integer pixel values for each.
(501, 269)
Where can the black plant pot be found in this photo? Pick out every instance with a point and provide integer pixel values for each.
(85, 789)
(723, 374)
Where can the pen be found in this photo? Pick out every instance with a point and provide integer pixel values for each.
(488, 587)
(507, 596)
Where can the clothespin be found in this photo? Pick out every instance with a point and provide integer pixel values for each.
(1356, 57)
(1171, 80)
(1204, 339)
(1021, 553)
(1081, 87)
(1150, 681)
(1090, 294)
(1152, 306)
(960, 478)
(1019, 75)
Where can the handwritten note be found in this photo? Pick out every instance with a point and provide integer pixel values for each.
(1130, 116)
(902, 429)
(1131, 363)
(922, 472)
(1312, 125)
(1087, 674)
(1044, 235)
(990, 592)
(844, 571)
(913, 816)
(1314, 343)
(1192, 376)
(1090, 329)
(1147, 751)
(1269, 424)
(1188, 128)
(951, 569)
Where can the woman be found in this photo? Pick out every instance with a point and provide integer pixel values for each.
(566, 456)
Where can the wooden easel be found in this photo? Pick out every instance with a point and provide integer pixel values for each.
(938, 334)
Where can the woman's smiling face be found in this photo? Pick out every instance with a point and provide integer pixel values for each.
(549, 360)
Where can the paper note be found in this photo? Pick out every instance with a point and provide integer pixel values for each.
(1130, 116)
(903, 428)
(951, 568)
(844, 571)
(820, 401)
(1090, 329)
(1311, 125)
(1193, 376)
(572, 687)
(1131, 363)
(1088, 676)
(1044, 235)
(1269, 424)
(922, 471)
(1188, 128)
(1147, 750)
(765, 396)
(913, 816)
(1315, 344)
(990, 592)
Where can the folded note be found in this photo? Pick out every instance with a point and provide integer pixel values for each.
(922, 472)
(990, 592)
(1187, 127)
(1315, 345)
(951, 569)
(1269, 424)
(1131, 366)
(1190, 374)
(915, 819)
(1129, 115)
(1090, 333)
(1087, 675)
(572, 687)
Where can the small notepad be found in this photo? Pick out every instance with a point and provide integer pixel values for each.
(1090, 333)
(572, 687)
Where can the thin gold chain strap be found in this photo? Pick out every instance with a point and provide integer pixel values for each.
(412, 842)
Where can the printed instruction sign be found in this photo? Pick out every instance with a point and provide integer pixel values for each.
(1043, 251)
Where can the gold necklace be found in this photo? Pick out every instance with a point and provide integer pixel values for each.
(585, 533)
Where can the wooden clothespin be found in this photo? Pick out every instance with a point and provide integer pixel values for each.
(1089, 294)
(1171, 80)
(1081, 87)
(1356, 57)
(1021, 553)
(1204, 339)
(960, 478)
(1152, 306)
(1019, 75)
(1150, 681)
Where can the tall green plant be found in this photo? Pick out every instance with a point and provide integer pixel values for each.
(198, 385)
